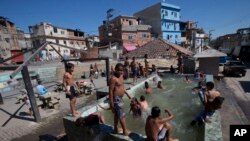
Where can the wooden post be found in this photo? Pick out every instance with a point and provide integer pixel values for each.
(65, 65)
(107, 70)
(30, 92)
(1, 99)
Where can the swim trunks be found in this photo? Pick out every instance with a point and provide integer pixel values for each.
(118, 107)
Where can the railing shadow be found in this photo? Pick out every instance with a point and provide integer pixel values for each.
(15, 116)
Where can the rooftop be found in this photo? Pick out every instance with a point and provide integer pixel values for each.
(209, 53)
(158, 48)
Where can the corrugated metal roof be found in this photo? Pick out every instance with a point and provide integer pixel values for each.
(209, 53)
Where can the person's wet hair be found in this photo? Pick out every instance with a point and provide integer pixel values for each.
(142, 98)
(155, 112)
(80, 122)
(69, 66)
(39, 82)
(146, 85)
(118, 65)
(210, 85)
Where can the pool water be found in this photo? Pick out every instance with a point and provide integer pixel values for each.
(178, 98)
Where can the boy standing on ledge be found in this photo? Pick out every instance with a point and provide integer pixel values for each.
(116, 92)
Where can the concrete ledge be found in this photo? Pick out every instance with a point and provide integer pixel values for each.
(100, 132)
(213, 129)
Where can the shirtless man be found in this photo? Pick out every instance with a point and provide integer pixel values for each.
(157, 128)
(146, 65)
(116, 92)
(210, 95)
(148, 89)
(143, 103)
(126, 68)
(133, 70)
(71, 88)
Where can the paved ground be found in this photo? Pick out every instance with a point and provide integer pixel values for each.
(15, 123)
(19, 128)
(236, 107)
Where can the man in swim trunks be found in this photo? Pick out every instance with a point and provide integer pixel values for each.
(133, 70)
(116, 92)
(146, 65)
(71, 88)
(157, 128)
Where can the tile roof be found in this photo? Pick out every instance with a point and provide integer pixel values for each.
(158, 48)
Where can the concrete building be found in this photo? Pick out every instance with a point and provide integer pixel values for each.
(227, 42)
(165, 21)
(47, 32)
(238, 44)
(127, 31)
(12, 40)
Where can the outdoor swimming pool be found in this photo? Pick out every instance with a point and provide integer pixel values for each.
(178, 98)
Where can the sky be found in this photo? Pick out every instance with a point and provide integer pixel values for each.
(220, 16)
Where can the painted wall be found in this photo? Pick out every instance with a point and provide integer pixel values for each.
(164, 19)
(209, 66)
(151, 16)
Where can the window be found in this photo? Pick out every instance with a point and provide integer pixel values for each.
(55, 29)
(64, 42)
(174, 26)
(71, 42)
(7, 40)
(0, 38)
(62, 32)
(172, 13)
(162, 11)
(175, 14)
(57, 41)
(168, 37)
(176, 36)
(130, 22)
(130, 37)
(144, 35)
(166, 13)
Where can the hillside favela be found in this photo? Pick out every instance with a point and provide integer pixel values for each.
(125, 70)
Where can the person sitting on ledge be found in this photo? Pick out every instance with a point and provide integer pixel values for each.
(212, 100)
(157, 128)
(92, 119)
(41, 90)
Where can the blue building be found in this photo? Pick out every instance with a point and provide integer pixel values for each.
(165, 21)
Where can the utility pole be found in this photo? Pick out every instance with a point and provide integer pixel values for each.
(108, 27)
(194, 30)
(210, 36)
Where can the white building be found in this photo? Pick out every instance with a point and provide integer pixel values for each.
(50, 33)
